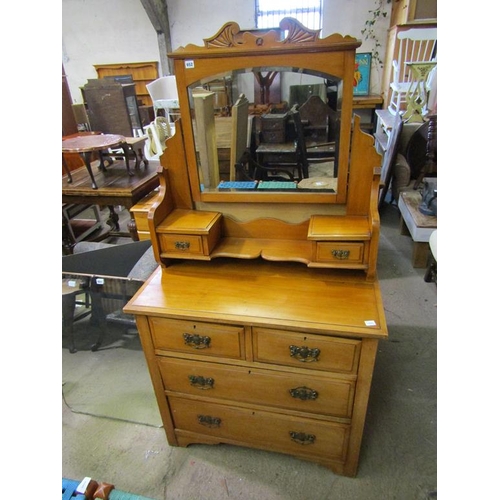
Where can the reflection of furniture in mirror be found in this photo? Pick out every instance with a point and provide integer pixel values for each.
(239, 133)
(268, 87)
(329, 59)
(300, 94)
(223, 96)
(273, 289)
(206, 137)
(249, 169)
(321, 121)
(323, 154)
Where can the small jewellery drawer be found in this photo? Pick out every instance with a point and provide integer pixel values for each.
(319, 395)
(189, 233)
(261, 429)
(315, 352)
(349, 253)
(194, 337)
(181, 243)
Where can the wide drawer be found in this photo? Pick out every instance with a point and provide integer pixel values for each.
(315, 352)
(262, 429)
(319, 395)
(340, 253)
(195, 337)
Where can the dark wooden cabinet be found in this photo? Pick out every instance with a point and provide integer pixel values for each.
(112, 107)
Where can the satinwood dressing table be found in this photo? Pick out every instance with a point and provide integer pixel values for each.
(260, 326)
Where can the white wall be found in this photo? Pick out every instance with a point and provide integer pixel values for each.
(114, 31)
(102, 32)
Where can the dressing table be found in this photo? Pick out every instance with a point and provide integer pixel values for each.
(260, 326)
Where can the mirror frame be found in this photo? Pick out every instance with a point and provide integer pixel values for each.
(231, 49)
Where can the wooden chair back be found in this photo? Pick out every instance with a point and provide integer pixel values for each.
(416, 44)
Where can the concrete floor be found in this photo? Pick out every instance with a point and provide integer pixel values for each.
(399, 450)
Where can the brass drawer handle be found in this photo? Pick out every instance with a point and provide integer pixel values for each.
(208, 421)
(201, 382)
(196, 341)
(302, 438)
(182, 245)
(304, 393)
(304, 354)
(341, 254)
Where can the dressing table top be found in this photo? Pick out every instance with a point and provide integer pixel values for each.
(261, 292)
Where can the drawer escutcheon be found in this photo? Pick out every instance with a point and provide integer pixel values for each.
(304, 354)
(302, 437)
(208, 421)
(341, 254)
(182, 245)
(304, 393)
(196, 341)
(201, 382)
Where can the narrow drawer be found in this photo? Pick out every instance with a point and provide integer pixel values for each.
(348, 253)
(205, 339)
(304, 350)
(262, 429)
(333, 397)
(181, 243)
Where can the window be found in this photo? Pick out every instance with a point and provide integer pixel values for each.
(269, 13)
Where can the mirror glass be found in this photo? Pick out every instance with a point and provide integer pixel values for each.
(267, 128)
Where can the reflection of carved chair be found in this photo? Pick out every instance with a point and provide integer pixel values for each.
(321, 121)
(312, 153)
(249, 169)
(243, 166)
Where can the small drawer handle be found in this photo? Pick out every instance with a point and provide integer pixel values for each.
(304, 354)
(182, 245)
(304, 393)
(302, 437)
(201, 382)
(341, 254)
(208, 421)
(196, 341)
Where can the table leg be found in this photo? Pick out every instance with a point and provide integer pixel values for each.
(125, 149)
(98, 314)
(113, 220)
(87, 158)
(102, 165)
(68, 311)
(420, 254)
(143, 158)
(132, 229)
(66, 168)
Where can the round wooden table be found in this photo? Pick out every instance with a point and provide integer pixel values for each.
(85, 145)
